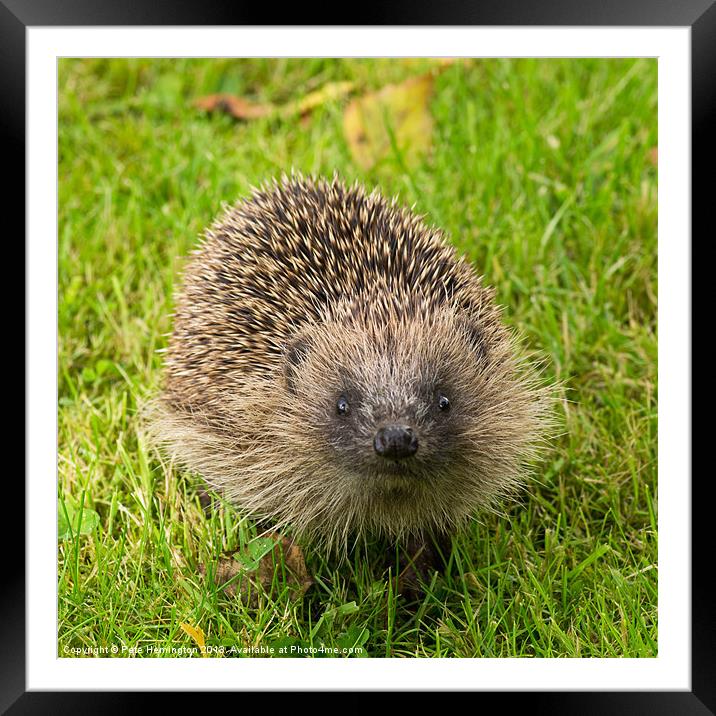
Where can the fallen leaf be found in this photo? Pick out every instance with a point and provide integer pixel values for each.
(243, 574)
(197, 635)
(654, 156)
(240, 108)
(368, 120)
(235, 106)
(256, 550)
(297, 576)
(329, 91)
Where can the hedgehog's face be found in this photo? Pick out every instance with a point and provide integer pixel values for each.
(425, 409)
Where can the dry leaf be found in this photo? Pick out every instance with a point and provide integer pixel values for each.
(231, 576)
(243, 109)
(654, 156)
(329, 91)
(402, 107)
(197, 635)
(235, 106)
(237, 580)
(297, 576)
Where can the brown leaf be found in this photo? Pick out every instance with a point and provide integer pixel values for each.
(235, 106)
(402, 107)
(243, 109)
(236, 580)
(654, 156)
(297, 576)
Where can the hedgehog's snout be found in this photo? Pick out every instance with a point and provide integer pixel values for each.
(396, 442)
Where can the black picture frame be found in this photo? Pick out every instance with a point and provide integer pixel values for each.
(699, 15)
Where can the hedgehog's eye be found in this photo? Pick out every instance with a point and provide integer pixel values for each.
(342, 406)
(443, 402)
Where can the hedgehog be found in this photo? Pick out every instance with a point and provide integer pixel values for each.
(336, 368)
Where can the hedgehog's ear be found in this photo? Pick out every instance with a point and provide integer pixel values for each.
(294, 354)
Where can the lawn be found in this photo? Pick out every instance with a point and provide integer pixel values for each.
(544, 173)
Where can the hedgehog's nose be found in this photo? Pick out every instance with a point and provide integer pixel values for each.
(395, 442)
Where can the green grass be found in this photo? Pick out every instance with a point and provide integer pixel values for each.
(541, 173)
